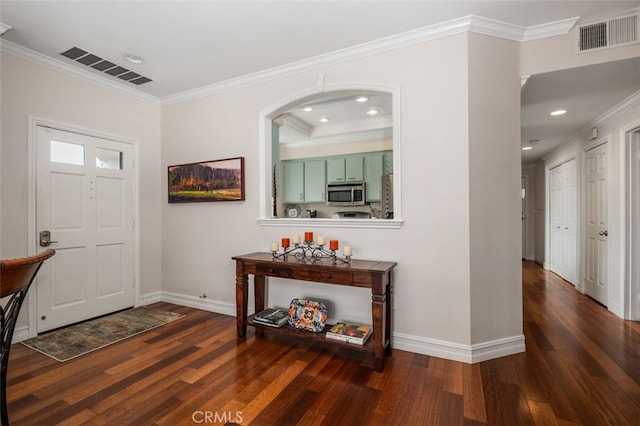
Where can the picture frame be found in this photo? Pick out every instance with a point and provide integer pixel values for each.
(207, 181)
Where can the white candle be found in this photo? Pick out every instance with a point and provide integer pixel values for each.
(321, 241)
(295, 239)
(274, 246)
(346, 250)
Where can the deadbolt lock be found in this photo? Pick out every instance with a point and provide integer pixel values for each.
(45, 239)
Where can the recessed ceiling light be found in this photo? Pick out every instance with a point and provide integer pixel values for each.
(362, 99)
(307, 109)
(373, 111)
(134, 59)
(324, 120)
(558, 112)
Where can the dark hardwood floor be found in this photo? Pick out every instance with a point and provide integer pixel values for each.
(582, 366)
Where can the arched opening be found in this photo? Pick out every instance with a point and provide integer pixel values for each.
(315, 141)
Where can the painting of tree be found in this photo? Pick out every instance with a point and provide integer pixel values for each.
(219, 180)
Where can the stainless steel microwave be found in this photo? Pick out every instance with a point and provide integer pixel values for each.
(346, 194)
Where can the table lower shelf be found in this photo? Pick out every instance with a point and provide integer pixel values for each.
(315, 337)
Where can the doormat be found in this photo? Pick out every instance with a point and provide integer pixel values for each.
(76, 340)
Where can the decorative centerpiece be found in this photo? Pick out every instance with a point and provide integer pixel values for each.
(308, 250)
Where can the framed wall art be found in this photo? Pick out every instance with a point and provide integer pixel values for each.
(217, 180)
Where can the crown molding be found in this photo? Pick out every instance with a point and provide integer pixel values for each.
(352, 127)
(469, 23)
(292, 122)
(57, 65)
(492, 27)
(627, 103)
(624, 105)
(332, 58)
(4, 28)
(550, 29)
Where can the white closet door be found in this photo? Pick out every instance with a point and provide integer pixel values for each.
(563, 220)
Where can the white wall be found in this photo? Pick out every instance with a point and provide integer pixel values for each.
(29, 89)
(432, 248)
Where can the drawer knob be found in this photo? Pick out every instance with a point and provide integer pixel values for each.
(271, 270)
(328, 275)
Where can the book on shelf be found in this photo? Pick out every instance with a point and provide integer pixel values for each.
(272, 317)
(350, 333)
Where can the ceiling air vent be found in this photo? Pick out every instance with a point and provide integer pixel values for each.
(89, 59)
(610, 33)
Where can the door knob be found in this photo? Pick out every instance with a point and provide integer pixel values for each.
(605, 233)
(45, 239)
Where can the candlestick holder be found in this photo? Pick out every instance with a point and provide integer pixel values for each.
(308, 251)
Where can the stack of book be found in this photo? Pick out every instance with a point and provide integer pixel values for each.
(272, 317)
(350, 333)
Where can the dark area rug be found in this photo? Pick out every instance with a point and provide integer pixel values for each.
(70, 342)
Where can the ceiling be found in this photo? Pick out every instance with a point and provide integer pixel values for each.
(586, 93)
(188, 45)
(353, 115)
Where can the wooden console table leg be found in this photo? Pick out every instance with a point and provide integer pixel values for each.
(377, 308)
(242, 299)
(259, 282)
(259, 287)
(389, 310)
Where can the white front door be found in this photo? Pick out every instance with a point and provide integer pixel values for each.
(596, 227)
(84, 199)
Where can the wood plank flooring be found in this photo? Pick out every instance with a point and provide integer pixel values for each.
(582, 366)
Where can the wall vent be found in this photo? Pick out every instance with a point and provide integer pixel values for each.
(96, 62)
(610, 33)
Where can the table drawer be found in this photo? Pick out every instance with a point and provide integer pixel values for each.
(273, 271)
(324, 276)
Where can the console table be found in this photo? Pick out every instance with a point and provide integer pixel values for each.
(375, 275)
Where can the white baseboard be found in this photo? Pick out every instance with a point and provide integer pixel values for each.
(422, 345)
(190, 301)
(149, 298)
(20, 334)
(459, 352)
(615, 309)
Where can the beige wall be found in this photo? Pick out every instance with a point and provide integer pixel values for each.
(29, 89)
(494, 189)
(436, 245)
